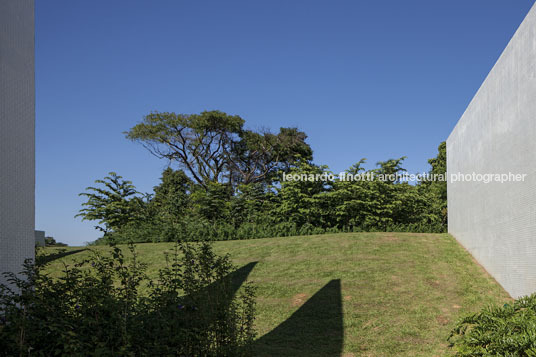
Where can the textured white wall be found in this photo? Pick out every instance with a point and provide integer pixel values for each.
(17, 123)
(497, 134)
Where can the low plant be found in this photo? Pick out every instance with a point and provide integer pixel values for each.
(508, 330)
(107, 306)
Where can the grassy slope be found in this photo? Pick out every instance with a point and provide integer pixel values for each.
(369, 294)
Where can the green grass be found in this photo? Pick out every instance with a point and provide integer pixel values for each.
(355, 294)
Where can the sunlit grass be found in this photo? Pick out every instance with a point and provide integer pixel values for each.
(400, 293)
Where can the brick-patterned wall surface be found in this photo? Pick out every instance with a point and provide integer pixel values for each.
(17, 126)
(496, 222)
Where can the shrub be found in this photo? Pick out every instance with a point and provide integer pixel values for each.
(509, 330)
(106, 305)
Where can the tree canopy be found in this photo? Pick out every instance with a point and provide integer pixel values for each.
(215, 147)
(232, 183)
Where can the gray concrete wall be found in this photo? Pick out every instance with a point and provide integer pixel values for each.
(17, 123)
(496, 222)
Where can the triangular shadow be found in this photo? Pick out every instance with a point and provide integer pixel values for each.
(234, 279)
(225, 288)
(315, 329)
(239, 276)
(43, 258)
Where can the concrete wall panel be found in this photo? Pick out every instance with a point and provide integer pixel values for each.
(17, 122)
(496, 222)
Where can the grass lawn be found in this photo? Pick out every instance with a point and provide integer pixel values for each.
(354, 294)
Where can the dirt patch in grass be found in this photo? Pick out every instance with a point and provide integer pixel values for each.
(443, 320)
(299, 299)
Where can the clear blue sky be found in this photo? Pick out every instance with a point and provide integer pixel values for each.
(374, 79)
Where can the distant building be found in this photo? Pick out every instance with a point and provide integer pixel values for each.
(17, 126)
(496, 221)
(40, 238)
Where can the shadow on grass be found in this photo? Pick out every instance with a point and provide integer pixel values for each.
(223, 290)
(239, 276)
(234, 279)
(47, 258)
(315, 329)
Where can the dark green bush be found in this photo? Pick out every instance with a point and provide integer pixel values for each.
(107, 306)
(509, 330)
(202, 230)
(181, 209)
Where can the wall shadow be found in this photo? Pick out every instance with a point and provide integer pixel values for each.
(47, 258)
(225, 288)
(315, 329)
(234, 279)
(239, 276)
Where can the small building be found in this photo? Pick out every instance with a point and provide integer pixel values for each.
(40, 238)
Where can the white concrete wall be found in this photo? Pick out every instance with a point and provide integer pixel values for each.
(17, 124)
(497, 134)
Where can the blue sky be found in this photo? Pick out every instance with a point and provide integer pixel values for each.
(374, 79)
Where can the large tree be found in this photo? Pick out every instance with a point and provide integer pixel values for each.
(214, 147)
(200, 143)
(258, 156)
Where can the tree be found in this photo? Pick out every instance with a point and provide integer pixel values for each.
(200, 143)
(171, 197)
(390, 169)
(351, 198)
(212, 204)
(114, 205)
(437, 184)
(51, 242)
(439, 168)
(214, 146)
(252, 204)
(258, 157)
(302, 201)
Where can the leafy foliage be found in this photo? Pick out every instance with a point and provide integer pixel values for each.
(438, 188)
(51, 242)
(97, 306)
(509, 330)
(114, 205)
(171, 196)
(214, 147)
(259, 157)
(235, 186)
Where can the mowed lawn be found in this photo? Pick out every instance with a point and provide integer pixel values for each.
(354, 294)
